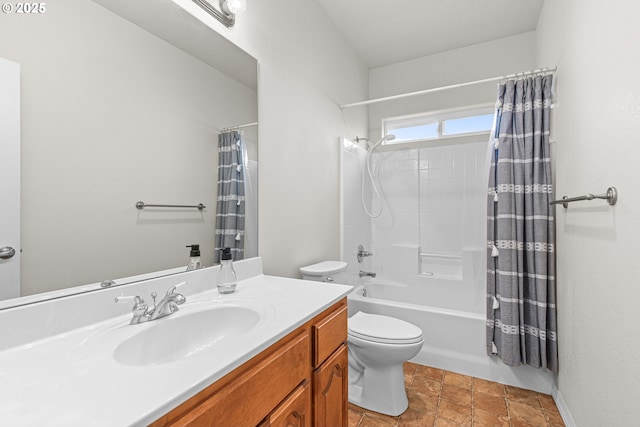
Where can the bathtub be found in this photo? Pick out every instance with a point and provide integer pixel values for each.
(453, 340)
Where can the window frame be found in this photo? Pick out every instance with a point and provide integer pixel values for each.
(440, 117)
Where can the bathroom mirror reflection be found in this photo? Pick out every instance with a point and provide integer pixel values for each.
(122, 102)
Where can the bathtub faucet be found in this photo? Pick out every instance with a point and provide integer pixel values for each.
(366, 274)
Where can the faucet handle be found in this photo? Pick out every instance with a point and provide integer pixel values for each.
(139, 310)
(138, 302)
(362, 253)
(175, 287)
(126, 298)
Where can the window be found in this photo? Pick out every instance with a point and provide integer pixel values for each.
(439, 125)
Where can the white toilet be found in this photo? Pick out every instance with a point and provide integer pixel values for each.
(378, 346)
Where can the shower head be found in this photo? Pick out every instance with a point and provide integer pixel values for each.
(387, 137)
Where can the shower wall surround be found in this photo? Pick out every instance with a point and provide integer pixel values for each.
(431, 230)
(356, 229)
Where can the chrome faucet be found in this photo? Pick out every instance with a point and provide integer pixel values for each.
(366, 274)
(168, 305)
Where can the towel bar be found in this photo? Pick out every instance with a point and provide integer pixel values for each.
(142, 205)
(611, 196)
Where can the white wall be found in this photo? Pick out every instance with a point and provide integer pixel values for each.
(306, 71)
(112, 115)
(597, 126)
(476, 62)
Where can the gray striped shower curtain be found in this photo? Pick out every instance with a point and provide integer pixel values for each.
(230, 208)
(521, 287)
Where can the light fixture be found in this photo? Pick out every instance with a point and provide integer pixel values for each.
(227, 12)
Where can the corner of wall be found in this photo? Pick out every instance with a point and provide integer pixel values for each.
(565, 413)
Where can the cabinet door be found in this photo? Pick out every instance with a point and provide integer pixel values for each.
(330, 390)
(295, 411)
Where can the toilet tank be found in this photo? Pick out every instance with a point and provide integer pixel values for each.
(326, 271)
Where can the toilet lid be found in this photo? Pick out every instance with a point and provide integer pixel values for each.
(383, 329)
(324, 268)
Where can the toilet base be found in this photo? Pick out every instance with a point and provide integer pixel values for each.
(381, 390)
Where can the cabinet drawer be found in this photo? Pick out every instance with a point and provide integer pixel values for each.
(329, 333)
(295, 411)
(251, 395)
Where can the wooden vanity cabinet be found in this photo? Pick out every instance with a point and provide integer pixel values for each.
(300, 381)
(330, 362)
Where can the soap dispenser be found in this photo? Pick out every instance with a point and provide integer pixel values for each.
(194, 258)
(227, 280)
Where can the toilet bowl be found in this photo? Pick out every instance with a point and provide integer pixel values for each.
(378, 347)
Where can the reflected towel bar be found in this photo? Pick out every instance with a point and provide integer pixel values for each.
(142, 205)
(611, 196)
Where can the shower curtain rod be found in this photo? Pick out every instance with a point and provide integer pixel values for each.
(246, 125)
(438, 89)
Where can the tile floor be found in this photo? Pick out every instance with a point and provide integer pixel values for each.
(441, 399)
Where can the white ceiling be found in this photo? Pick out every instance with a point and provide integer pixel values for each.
(384, 32)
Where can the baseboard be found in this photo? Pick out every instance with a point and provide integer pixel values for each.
(565, 413)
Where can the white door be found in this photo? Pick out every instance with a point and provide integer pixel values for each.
(9, 179)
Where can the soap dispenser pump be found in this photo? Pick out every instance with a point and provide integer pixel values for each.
(194, 257)
(227, 280)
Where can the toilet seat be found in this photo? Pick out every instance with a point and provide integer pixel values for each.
(383, 329)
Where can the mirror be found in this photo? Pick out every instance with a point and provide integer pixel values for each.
(122, 101)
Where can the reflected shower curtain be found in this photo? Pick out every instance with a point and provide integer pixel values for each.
(521, 288)
(230, 209)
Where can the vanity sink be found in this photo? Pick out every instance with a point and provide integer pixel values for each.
(190, 332)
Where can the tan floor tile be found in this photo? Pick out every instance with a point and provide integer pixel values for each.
(555, 419)
(486, 402)
(371, 420)
(526, 413)
(488, 387)
(429, 372)
(426, 385)
(521, 395)
(547, 401)
(382, 417)
(439, 398)
(354, 418)
(463, 381)
(456, 394)
(551, 410)
(410, 367)
(454, 412)
(408, 380)
(409, 372)
(519, 423)
(443, 422)
(420, 404)
(423, 421)
(482, 418)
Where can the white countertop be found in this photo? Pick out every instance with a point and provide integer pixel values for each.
(72, 379)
